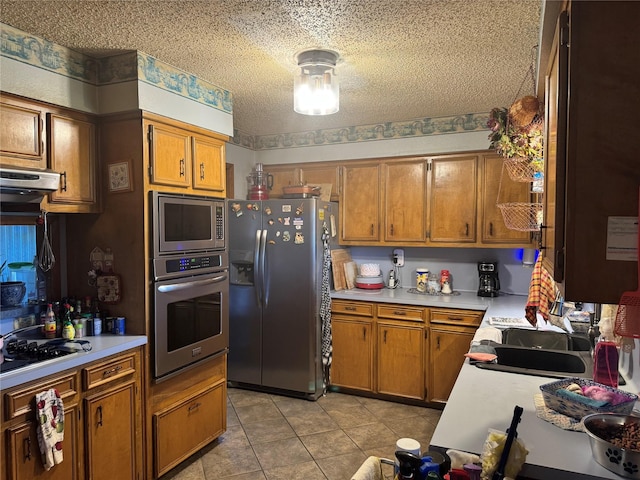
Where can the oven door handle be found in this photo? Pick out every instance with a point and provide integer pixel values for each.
(176, 287)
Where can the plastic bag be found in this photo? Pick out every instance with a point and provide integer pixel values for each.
(492, 450)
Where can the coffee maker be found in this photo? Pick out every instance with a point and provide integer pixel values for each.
(489, 281)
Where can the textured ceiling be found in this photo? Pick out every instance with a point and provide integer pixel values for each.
(400, 60)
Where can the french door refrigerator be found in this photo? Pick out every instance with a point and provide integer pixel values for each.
(278, 308)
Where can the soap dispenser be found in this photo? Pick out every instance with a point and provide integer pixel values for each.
(409, 466)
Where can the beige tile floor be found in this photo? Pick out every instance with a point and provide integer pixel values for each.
(281, 438)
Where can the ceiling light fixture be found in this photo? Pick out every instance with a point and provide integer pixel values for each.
(315, 88)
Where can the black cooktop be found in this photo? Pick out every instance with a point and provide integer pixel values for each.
(20, 353)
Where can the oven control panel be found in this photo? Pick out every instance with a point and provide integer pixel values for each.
(192, 263)
(175, 266)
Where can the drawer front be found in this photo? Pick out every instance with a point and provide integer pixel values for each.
(184, 428)
(471, 318)
(401, 312)
(109, 371)
(352, 308)
(19, 402)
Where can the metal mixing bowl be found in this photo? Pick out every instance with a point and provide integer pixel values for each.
(623, 462)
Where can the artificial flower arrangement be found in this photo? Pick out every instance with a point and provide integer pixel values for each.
(518, 132)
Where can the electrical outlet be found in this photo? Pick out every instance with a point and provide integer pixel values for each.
(398, 257)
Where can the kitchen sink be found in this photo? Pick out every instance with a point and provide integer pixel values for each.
(545, 339)
(541, 362)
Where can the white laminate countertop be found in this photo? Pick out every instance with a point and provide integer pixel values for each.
(502, 306)
(484, 399)
(102, 346)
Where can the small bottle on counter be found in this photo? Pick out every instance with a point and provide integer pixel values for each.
(68, 331)
(50, 323)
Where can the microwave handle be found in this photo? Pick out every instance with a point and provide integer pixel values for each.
(176, 287)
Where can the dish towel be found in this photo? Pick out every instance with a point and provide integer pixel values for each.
(50, 411)
(542, 292)
(371, 469)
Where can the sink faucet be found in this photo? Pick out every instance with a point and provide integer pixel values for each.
(20, 330)
(594, 329)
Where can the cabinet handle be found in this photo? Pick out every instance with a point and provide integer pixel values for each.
(392, 229)
(99, 416)
(107, 373)
(384, 337)
(351, 309)
(27, 448)
(63, 177)
(455, 319)
(364, 333)
(491, 229)
(400, 312)
(466, 229)
(438, 343)
(182, 167)
(372, 229)
(202, 171)
(194, 407)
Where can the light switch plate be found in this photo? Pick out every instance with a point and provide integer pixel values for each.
(398, 257)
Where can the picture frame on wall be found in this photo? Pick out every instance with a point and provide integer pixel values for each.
(120, 177)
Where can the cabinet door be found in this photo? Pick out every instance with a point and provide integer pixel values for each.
(184, 428)
(72, 152)
(23, 453)
(495, 180)
(360, 203)
(282, 176)
(110, 425)
(405, 201)
(452, 200)
(21, 134)
(170, 156)
(554, 151)
(352, 360)
(447, 348)
(209, 171)
(401, 360)
(317, 175)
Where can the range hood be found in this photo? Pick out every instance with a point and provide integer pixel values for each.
(21, 185)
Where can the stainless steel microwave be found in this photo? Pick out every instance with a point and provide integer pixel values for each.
(186, 223)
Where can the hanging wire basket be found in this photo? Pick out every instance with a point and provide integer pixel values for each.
(521, 169)
(524, 217)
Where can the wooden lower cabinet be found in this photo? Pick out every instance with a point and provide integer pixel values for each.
(184, 428)
(23, 452)
(103, 423)
(110, 433)
(352, 361)
(449, 339)
(401, 363)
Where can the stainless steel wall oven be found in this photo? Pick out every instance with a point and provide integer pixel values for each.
(190, 281)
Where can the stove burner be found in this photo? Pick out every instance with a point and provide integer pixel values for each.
(20, 353)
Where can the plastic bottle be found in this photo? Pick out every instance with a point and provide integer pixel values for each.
(409, 466)
(50, 323)
(605, 363)
(68, 331)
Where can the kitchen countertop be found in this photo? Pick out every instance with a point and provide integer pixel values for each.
(484, 399)
(102, 347)
(504, 305)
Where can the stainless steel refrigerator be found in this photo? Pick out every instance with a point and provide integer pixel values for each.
(277, 252)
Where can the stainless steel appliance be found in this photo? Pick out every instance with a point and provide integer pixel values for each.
(278, 252)
(26, 185)
(186, 223)
(489, 281)
(190, 281)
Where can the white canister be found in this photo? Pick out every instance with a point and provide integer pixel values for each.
(406, 445)
(422, 278)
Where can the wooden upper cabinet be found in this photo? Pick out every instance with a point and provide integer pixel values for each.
(496, 181)
(405, 201)
(208, 165)
(283, 176)
(322, 174)
(72, 153)
(453, 199)
(21, 134)
(170, 156)
(360, 203)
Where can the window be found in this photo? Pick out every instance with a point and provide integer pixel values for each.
(18, 250)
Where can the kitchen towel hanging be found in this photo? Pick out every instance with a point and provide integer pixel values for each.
(50, 420)
(542, 292)
(325, 310)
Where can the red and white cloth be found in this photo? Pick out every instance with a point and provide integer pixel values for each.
(50, 417)
(542, 293)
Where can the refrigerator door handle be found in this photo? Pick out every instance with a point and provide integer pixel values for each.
(263, 267)
(257, 280)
